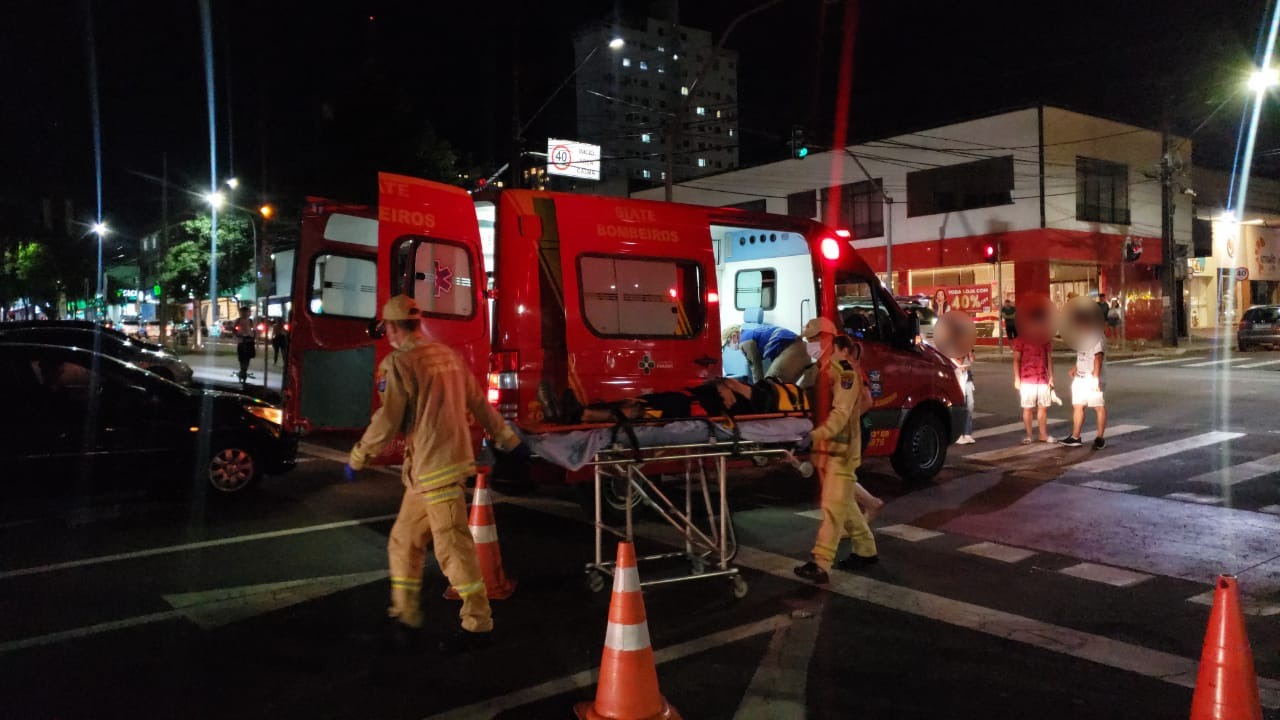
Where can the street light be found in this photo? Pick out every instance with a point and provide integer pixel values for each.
(1262, 80)
(100, 229)
(215, 199)
(233, 183)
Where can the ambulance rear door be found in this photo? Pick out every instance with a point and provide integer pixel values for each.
(640, 296)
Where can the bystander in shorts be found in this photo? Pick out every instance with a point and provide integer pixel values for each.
(1034, 394)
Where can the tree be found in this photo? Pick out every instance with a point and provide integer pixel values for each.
(35, 268)
(185, 269)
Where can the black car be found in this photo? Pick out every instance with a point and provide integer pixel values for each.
(104, 340)
(79, 423)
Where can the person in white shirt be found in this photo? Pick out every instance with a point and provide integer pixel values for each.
(1086, 391)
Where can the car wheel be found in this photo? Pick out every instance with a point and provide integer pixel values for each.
(922, 447)
(231, 469)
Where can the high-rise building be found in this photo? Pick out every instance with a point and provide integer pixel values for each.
(627, 98)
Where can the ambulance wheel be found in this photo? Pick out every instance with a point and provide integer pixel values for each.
(595, 581)
(740, 587)
(922, 448)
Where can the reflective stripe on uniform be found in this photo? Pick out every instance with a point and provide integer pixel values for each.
(443, 495)
(470, 588)
(627, 638)
(445, 475)
(484, 533)
(407, 583)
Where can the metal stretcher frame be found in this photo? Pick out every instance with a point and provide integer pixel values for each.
(717, 545)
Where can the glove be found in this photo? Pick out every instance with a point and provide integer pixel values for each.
(521, 453)
(349, 474)
(804, 442)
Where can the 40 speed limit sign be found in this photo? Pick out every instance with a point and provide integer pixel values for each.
(573, 159)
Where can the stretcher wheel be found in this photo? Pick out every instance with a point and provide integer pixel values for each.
(595, 581)
(698, 566)
(740, 588)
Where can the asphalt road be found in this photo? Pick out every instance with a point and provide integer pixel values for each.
(1034, 581)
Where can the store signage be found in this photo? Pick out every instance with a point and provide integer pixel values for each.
(573, 159)
(973, 299)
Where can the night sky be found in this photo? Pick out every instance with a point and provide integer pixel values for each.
(321, 94)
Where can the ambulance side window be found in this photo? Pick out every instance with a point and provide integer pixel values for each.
(756, 288)
(343, 287)
(633, 297)
(863, 313)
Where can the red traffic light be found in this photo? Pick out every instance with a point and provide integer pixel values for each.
(989, 253)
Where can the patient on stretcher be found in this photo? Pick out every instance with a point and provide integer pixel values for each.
(719, 397)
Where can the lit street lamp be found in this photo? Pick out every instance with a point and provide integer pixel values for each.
(1262, 80)
(100, 229)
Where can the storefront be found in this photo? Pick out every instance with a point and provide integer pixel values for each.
(1243, 271)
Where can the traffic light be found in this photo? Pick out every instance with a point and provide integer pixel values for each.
(990, 253)
(799, 149)
(1132, 249)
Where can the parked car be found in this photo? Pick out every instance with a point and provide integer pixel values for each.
(130, 325)
(1260, 325)
(85, 423)
(73, 333)
(179, 330)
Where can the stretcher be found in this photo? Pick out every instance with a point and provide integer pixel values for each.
(703, 447)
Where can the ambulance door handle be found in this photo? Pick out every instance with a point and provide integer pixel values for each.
(707, 361)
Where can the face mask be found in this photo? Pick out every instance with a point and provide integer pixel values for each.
(814, 349)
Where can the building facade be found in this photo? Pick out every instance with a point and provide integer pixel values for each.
(625, 96)
(1055, 194)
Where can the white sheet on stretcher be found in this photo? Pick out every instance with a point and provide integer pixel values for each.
(574, 449)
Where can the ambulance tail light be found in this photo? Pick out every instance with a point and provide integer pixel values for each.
(713, 297)
(504, 383)
(830, 248)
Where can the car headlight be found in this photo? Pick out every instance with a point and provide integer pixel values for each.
(272, 415)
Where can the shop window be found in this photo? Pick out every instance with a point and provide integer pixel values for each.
(967, 186)
(641, 298)
(1102, 191)
(755, 288)
(861, 207)
(343, 287)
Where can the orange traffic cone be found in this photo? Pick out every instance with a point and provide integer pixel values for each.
(497, 585)
(628, 687)
(1226, 688)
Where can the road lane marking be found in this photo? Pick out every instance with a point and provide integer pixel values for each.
(1167, 667)
(1002, 429)
(811, 514)
(1248, 605)
(777, 690)
(996, 551)
(325, 453)
(1163, 362)
(184, 547)
(1115, 462)
(910, 533)
(212, 609)
(1018, 451)
(578, 681)
(1207, 363)
(1251, 366)
(1234, 474)
(1132, 360)
(1109, 486)
(980, 415)
(1194, 498)
(1116, 577)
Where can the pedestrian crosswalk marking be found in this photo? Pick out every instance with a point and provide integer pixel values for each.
(1163, 362)
(1037, 447)
(910, 533)
(1116, 577)
(1132, 360)
(1248, 605)
(1270, 509)
(1194, 498)
(1115, 462)
(1109, 486)
(980, 415)
(996, 551)
(1251, 366)
(1002, 429)
(1239, 473)
(813, 514)
(1215, 362)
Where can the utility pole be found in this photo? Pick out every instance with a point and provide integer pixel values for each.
(164, 243)
(1169, 326)
(888, 208)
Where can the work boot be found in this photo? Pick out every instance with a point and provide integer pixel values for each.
(854, 563)
(811, 572)
(461, 641)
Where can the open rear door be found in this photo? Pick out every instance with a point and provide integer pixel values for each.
(429, 248)
(334, 297)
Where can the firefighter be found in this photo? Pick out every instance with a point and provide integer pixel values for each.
(837, 450)
(427, 391)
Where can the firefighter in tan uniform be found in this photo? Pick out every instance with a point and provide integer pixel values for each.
(427, 392)
(837, 452)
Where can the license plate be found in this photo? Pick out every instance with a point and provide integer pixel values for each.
(1262, 326)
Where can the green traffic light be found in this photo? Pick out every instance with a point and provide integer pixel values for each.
(802, 153)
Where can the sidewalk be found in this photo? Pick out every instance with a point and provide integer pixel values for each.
(1200, 343)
